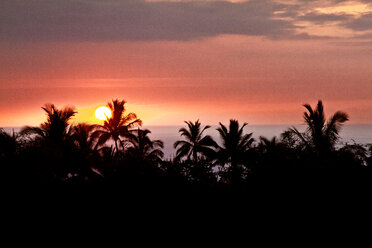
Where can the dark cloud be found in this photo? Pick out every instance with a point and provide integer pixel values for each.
(362, 23)
(114, 20)
(138, 20)
(346, 20)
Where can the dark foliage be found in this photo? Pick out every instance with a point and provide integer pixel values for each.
(58, 153)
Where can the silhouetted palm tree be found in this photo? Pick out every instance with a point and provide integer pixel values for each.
(144, 148)
(8, 144)
(195, 143)
(235, 145)
(268, 144)
(321, 135)
(117, 125)
(274, 155)
(56, 128)
(82, 134)
(52, 145)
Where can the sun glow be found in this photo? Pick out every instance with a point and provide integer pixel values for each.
(103, 113)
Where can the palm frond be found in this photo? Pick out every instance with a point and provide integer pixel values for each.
(200, 134)
(222, 130)
(181, 143)
(103, 138)
(129, 118)
(246, 141)
(241, 130)
(158, 143)
(186, 133)
(184, 150)
(265, 141)
(309, 108)
(207, 151)
(32, 130)
(299, 135)
(207, 141)
(334, 125)
(157, 153)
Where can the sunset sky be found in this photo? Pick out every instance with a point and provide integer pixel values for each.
(257, 61)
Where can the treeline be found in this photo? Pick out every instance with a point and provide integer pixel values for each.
(120, 153)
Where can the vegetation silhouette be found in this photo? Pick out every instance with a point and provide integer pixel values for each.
(321, 136)
(8, 144)
(145, 149)
(86, 146)
(56, 129)
(234, 151)
(52, 143)
(199, 151)
(116, 126)
(195, 142)
(121, 154)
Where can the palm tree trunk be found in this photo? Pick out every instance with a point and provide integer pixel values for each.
(122, 145)
(195, 156)
(116, 146)
(235, 178)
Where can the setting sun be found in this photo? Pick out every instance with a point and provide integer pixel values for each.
(103, 113)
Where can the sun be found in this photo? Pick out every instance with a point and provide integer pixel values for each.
(103, 113)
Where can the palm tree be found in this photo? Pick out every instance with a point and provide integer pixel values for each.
(268, 145)
(144, 148)
(235, 145)
(117, 125)
(195, 143)
(267, 142)
(56, 128)
(57, 148)
(81, 134)
(9, 144)
(10, 150)
(321, 135)
(273, 154)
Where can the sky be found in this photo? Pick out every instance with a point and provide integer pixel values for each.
(257, 61)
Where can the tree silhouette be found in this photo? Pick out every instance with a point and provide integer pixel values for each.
(267, 144)
(58, 152)
(195, 143)
(275, 157)
(321, 135)
(9, 144)
(82, 135)
(144, 148)
(51, 151)
(10, 149)
(235, 145)
(117, 126)
(56, 129)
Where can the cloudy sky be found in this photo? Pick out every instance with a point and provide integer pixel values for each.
(257, 61)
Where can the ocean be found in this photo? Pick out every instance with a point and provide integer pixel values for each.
(361, 134)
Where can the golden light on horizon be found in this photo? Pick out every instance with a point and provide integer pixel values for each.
(350, 8)
(103, 113)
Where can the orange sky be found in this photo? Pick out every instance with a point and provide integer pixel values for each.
(258, 75)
